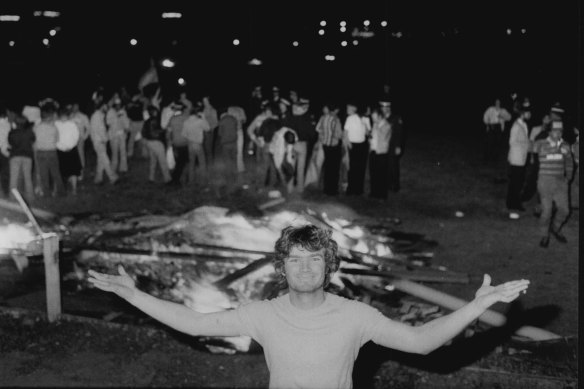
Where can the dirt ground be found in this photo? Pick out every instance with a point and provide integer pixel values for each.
(440, 175)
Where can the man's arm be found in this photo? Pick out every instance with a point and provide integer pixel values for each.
(428, 337)
(174, 315)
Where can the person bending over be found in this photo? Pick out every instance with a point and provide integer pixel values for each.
(310, 337)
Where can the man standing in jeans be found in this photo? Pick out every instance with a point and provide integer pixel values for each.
(519, 145)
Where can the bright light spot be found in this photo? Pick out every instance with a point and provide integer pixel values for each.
(508, 31)
(53, 32)
(355, 42)
(37, 13)
(366, 22)
(523, 30)
(320, 32)
(181, 81)
(344, 43)
(171, 15)
(51, 14)
(255, 62)
(14, 236)
(295, 43)
(236, 42)
(397, 34)
(384, 23)
(329, 57)
(45, 42)
(167, 63)
(323, 23)
(343, 23)
(343, 29)
(9, 18)
(11, 43)
(133, 42)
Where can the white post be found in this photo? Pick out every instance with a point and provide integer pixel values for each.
(52, 275)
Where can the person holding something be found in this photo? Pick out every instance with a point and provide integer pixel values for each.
(310, 337)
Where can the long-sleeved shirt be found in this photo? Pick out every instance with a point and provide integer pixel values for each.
(117, 122)
(303, 127)
(519, 143)
(68, 134)
(330, 130)
(380, 137)
(97, 127)
(496, 115)
(555, 158)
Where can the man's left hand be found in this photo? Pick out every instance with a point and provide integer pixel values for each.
(488, 295)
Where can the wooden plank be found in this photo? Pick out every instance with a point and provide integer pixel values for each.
(415, 275)
(52, 276)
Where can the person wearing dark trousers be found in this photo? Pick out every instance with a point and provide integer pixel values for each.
(330, 134)
(356, 141)
(378, 157)
(179, 143)
(519, 145)
(395, 149)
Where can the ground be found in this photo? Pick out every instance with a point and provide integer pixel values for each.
(440, 175)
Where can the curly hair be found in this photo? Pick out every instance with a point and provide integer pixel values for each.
(310, 238)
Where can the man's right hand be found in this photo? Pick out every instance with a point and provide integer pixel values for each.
(122, 285)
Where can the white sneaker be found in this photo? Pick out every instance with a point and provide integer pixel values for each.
(513, 216)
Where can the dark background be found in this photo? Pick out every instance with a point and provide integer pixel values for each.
(453, 59)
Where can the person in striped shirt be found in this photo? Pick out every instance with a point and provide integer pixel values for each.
(555, 170)
(330, 134)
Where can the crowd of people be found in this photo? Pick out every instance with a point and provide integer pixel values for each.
(44, 145)
(539, 160)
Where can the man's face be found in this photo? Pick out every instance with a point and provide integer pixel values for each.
(305, 270)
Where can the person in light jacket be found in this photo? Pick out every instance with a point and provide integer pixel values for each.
(519, 145)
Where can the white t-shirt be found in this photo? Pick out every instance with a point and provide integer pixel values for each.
(32, 114)
(316, 348)
(355, 128)
(68, 134)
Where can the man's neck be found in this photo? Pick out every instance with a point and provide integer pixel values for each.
(307, 301)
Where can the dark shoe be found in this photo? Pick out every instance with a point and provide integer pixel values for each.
(559, 237)
(544, 242)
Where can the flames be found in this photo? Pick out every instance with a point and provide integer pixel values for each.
(15, 236)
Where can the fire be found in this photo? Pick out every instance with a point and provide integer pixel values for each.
(15, 236)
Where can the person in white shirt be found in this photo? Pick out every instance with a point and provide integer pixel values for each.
(310, 336)
(99, 138)
(356, 141)
(494, 119)
(519, 145)
(69, 161)
(378, 157)
(194, 129)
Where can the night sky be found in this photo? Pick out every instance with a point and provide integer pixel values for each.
(452, 58)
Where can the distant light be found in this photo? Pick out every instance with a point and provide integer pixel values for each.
(329, 57)
(236, 42)
(323, 23)
(181, 81)
(343, 23)
(384, 23)
(51, 14)
(523, 30)
(343, 29)
(167, 63)
(133, 42)
(508, 31)
(45, 42)
(295, 43)
(53, 32)
(320, 32)
(344, 43)
(366, 22)
(37, 13)
(254, 62)
(171, 15)
(355, 42)
(9, 18)
(11, 43)
(397, 34)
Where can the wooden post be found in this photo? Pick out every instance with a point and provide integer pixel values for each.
(52, 275)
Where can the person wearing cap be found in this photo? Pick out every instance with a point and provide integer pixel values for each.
(118, 126)
(555, 171)
(519, 145)
(356, 140)
(395, 147)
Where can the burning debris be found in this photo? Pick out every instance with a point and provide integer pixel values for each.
(211, 259)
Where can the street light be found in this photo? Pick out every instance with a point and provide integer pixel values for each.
(321, 32)
(236, 42)
(133, 42)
